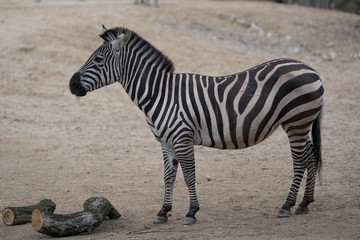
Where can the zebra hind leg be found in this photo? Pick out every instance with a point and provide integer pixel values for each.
(298, 141)
(312, 168)
(170, 169)
(306, 154)
(285, 210)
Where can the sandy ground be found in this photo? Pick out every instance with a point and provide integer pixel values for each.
(53, 145)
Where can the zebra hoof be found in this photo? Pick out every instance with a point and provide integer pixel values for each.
(301, 210)
(283, 213)
(160, 219)
(189, 221)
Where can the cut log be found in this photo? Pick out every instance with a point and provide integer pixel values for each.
(113, 213)
(96, 209)
(21, 215)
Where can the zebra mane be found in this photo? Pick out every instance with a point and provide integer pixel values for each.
(163, 62)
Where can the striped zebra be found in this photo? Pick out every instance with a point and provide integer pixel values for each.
(226, 112)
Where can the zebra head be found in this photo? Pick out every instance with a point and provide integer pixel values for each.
(102, 68)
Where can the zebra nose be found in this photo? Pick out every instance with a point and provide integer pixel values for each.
(75, 86)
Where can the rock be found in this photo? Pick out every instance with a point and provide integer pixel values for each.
(208, 178)
(269, 35)
(330, 44)
(329, 56)
(294, 50)
(240, 21)
(26, 49)
(288, 37)
(255, 28)
(304, 46)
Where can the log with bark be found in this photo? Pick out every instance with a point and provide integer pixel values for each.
(96, 209)
(21, 215)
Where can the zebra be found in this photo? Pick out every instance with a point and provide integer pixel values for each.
(226, 112)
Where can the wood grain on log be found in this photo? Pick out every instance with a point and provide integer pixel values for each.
(96, 209)
(21, 215)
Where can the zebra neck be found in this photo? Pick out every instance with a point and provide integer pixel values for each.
(145, 84)
(144, 68)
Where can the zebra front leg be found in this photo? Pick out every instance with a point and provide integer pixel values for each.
(170, 169)
(185, 154)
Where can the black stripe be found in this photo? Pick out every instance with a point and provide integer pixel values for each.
(303, 126)
(160, 103)
(298, 141)
(216, 108)
(184, 93)
(230, 108)
(204, 81)
(299, 134)
(204, 107)
(192, 99)
(167, 106)
(249, 92)
(223, 85)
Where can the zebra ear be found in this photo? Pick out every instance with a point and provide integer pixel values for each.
(127, 36)
(103, 28)
(121, 40)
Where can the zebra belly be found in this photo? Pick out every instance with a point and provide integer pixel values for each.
(230, 138)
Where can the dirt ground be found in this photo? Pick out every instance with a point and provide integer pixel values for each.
(53, 145)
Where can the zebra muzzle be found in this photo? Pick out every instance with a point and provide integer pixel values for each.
(75, 86)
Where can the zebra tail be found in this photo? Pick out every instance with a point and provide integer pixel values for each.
(316, 139)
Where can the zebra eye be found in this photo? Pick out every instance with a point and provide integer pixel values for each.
(99, 59)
